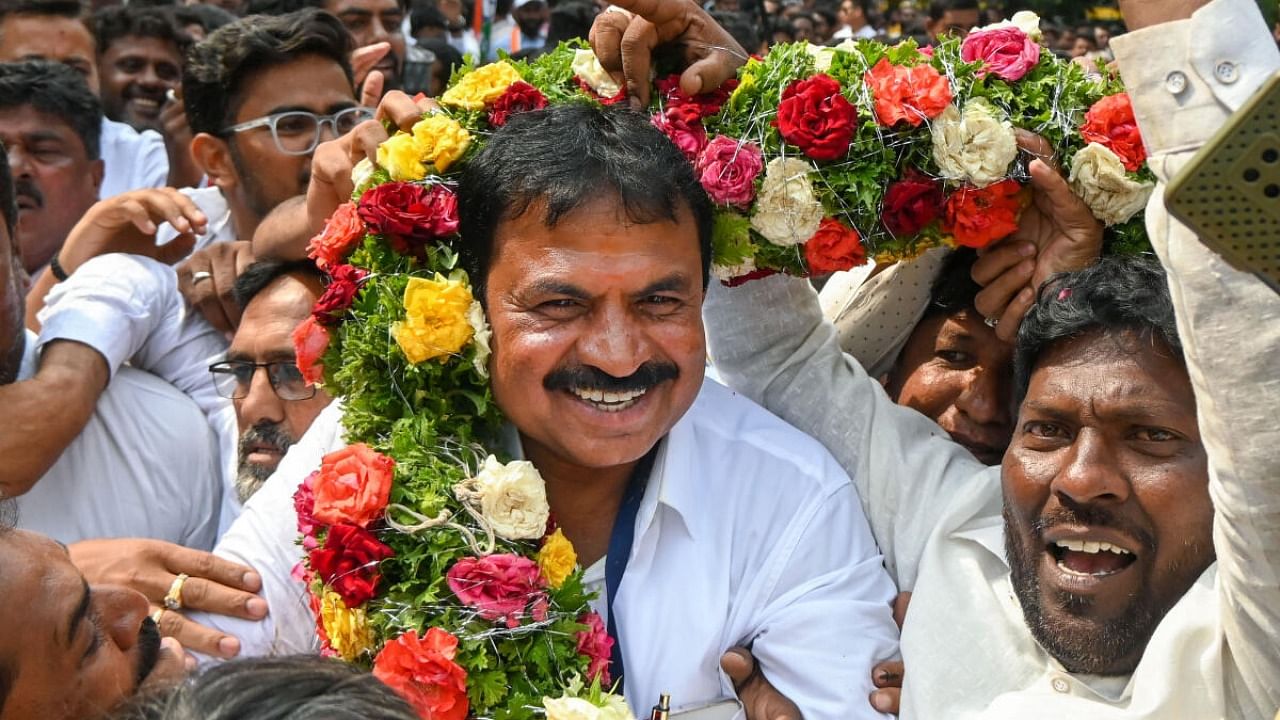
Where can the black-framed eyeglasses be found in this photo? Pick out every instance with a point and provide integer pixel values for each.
(297, 132)
(233, 378)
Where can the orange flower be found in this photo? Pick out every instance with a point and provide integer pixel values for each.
(977, 217)
(1110, 122)
(422, 671)
(907, 94)
(343, 230)
(834, 247)
(352, 486)
(310, 340)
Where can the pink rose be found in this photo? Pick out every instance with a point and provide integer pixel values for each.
(1005, 51)
(499, 586)
(304, 504)
(683, 124)
(595, 643)
(727, 170)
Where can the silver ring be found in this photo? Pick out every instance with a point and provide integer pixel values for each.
(200, 275)
(991, 322)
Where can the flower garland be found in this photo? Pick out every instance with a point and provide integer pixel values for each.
(433, 561)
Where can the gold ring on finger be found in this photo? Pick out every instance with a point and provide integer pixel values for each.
(173, 598)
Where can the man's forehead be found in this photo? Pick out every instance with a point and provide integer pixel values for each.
(24, 124)
(143, 46)
(337, 7)
(1123, 373)
(44, 36)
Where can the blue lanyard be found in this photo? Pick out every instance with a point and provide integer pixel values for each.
(620, 542)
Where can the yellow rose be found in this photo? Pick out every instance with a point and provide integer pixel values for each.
(348, 630)
(402, 158)
(441, 140)
(481, 86)
(557, 559)
(436, 318)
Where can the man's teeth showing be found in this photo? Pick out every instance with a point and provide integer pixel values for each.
(608, 401)
(1090, 558)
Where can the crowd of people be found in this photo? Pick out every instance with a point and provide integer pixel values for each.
(1032, 481)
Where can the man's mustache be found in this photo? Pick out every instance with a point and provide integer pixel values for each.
(148, 650)
(1090, 515)
(585, 377)
(25, 187)
(264, 433)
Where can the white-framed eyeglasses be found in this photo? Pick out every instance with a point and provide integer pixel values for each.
(297, 132)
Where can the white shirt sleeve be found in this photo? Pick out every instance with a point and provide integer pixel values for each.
(1185, 79)
(769, 341)
(265, 536)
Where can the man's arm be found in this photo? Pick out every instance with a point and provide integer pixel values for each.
(1227, 319)
(45, 413)
(768, 340)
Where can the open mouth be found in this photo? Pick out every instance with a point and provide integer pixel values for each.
(606, 401)
(146, 104)
(1090, 558)
(26, 202)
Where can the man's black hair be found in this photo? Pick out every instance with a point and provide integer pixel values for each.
(54, 89)
(565, 157)
(219, 67)
(570, 20)
(954, 289)
(262, 273)
(280, 7)
(424, 15)
(120, 21)
(209, 17)
(72, 9)
(938, 8)
(1117, 295)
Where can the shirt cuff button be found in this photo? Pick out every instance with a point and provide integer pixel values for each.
(1061, 685)
(1227, 72)
(1175, 82)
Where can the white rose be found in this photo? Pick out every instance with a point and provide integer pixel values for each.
(587, 66)
(1025, 20)
(513, 499)
(362, 174)
(572, 708)
(481, 333)
(976, 145)
(729, 272)
(1099, 178)
(787, 213)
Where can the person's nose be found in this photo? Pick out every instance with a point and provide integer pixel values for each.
(612, 342)
(122, 611)
(984, 398)
(19, 161)
(1092, 473)
(261, 403)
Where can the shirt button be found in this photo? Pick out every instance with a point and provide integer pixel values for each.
(1061, 685)
(1227, 72)
(1175, 82)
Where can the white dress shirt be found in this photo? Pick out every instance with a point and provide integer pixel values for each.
(214, 205)
(131, 160)
(935, 511)
(143, 466)
(748, 532)
(128, 308)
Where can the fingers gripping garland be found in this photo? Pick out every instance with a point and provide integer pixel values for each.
(434, 562)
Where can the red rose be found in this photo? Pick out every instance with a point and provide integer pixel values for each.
(344, 283)
(310, 340)
(422, 671)
(911, 95)
(833, 247)
(683, 125)
(816, 118)
(977, 217)
(410, 215)
(519, 97)
(304, 504)
(708, 103)
(911, 203)
(500, 587)
(348, 563)
(596, 645)
(1110, 122)
(341, 232)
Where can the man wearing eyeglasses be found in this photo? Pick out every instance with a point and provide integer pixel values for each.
(273, 405)
(260, 94)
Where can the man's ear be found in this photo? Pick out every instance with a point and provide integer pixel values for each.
(96, 170)
(213, 155)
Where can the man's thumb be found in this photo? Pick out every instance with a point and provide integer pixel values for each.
(738, 664)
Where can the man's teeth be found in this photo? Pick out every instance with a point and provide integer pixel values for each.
(1091, 547)
(610, 401)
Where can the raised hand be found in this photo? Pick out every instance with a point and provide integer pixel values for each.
(208, 278)
(625, 41)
